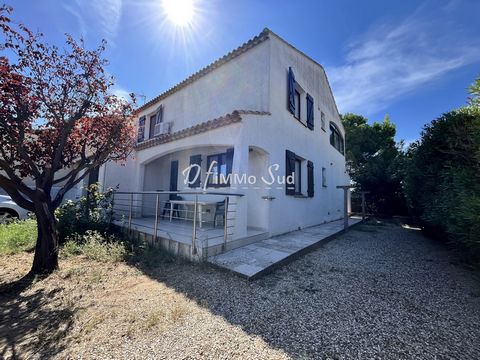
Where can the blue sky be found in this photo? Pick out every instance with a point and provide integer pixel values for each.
(410, 59)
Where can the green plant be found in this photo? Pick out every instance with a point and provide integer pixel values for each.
(443, 179)
(94, 211)
(18, 236)
(375, 162)
(95, 246)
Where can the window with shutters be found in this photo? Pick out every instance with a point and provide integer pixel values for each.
(160, 126)
(298, 102)
(151, 131)
(310, 179)
(298, 176)
(220, 169)
(295, 167)
(291, 91)
(296, 95)
(336, 139)
(310, 112)
(141, 129)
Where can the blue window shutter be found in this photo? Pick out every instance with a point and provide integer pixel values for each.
(291, 91)
(229, 160)
(197, 160)
(310, 182)
(289, 169)
(141, 129)
(309, 112)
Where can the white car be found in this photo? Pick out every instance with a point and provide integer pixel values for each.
(9, 210)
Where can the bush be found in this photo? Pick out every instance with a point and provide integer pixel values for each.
(96, 246)
(94, 211)
(18, 236)
(443, 179)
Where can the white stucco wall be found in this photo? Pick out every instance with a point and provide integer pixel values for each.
(240, 84)
(282, 131)
(256, 80)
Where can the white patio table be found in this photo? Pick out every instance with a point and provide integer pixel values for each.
(200, 205)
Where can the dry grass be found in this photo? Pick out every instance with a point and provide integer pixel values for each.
(383, 292)
(91, 308)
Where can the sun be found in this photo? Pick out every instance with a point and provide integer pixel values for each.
(179, 12)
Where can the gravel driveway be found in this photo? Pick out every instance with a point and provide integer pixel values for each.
(375, 292)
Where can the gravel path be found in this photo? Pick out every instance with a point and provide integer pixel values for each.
(375, 292)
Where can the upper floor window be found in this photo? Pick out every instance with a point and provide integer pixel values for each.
(297, 113)
(336, 138)
(141, 129)
(156, 123)
(322, 119)
(153, 120)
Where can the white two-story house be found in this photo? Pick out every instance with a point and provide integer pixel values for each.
(263, 112)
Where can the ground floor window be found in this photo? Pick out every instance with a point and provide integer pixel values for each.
(298, 176)
(220, 167)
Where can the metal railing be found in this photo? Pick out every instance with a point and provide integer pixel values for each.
(183, 216)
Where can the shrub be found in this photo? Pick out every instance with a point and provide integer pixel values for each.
(96, 246)
(18, 236)
(443, 179)
(94, 211)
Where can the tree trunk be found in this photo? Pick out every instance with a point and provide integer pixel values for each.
(45, 260)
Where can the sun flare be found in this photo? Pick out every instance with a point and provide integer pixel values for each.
(179, 12)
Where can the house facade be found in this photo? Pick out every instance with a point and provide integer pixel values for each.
(263, 114)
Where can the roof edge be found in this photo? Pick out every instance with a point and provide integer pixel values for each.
(258, 39)
(221, 121)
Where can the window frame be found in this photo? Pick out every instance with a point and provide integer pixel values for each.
(336, 137)
(219, 164)
(152, 121)
(141, 129)
(322, 121)
(324, 177)
(298, 105)
(298, 189)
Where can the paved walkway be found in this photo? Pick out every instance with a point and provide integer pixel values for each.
(254, 260)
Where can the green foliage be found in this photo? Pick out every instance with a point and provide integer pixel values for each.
(443, 179)
(94, 211)
(18, 236)
(375, 162)
(474, 91)
(96, 246)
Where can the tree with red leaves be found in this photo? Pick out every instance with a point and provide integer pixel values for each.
(58, 122)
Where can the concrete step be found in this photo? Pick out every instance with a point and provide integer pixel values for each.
(214, 250)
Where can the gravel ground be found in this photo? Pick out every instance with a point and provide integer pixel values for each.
(375, 292)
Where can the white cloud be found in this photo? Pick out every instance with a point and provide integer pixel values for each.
(104, 15)
(121, 92)
(392, 60)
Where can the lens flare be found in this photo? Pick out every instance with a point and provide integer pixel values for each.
(179, 12)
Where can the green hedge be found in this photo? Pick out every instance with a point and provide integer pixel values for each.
(443, 179)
